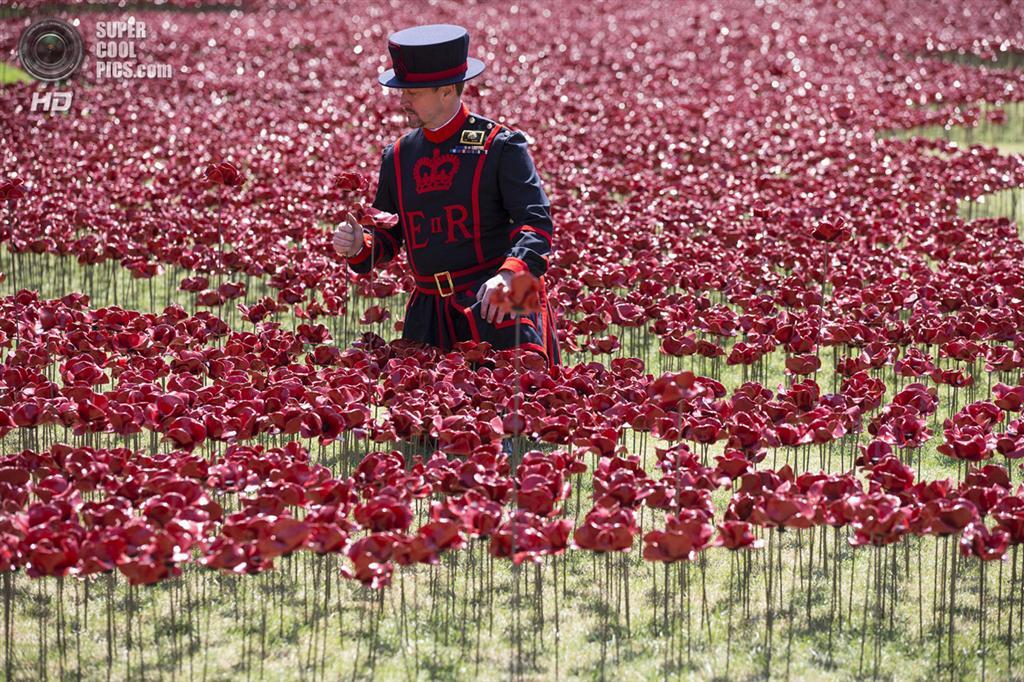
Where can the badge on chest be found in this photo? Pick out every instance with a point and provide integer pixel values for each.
(472, 137)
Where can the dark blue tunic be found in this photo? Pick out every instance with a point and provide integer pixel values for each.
(469, 202)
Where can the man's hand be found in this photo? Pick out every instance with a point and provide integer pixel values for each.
(487, 311)
(348, 238)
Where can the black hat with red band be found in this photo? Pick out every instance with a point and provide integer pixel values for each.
(430, 56)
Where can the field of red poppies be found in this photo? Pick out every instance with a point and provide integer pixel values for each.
(786, 440)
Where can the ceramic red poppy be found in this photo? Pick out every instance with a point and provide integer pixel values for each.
(223, 173)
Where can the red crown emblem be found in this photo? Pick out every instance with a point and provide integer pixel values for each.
(435, 173)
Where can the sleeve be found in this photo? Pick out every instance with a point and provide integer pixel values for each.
(528, 207)
(382, 243)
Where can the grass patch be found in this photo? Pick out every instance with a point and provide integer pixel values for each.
(12, 74)
(1006, 136)
(1004, 59)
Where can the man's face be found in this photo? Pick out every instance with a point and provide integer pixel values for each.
(422, 105)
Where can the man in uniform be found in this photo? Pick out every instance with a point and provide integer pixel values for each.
(471, 208)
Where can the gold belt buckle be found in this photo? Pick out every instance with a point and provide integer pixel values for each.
(451, 284)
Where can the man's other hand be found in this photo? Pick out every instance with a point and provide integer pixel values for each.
(348, 238)
(488, 311)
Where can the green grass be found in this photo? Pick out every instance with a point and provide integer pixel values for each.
(1005, 59)
(12, 74)
(1007, 137)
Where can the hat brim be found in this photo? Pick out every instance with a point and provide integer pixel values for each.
(389, 80)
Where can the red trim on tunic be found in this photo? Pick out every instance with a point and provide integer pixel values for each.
(440, 333)
(432, 290)
(408, 302)
(449, 128)
(401, 205)
(475, 194)
(429, 279)
(543, 316)
(472, 321)
(473, 329)
(451, 325)
(512, 320)
(533, 346)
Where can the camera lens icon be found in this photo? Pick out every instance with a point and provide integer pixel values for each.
(51, 50)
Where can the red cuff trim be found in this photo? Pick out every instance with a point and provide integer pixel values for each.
(514, 265)
(531, 228)
(364, 252)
